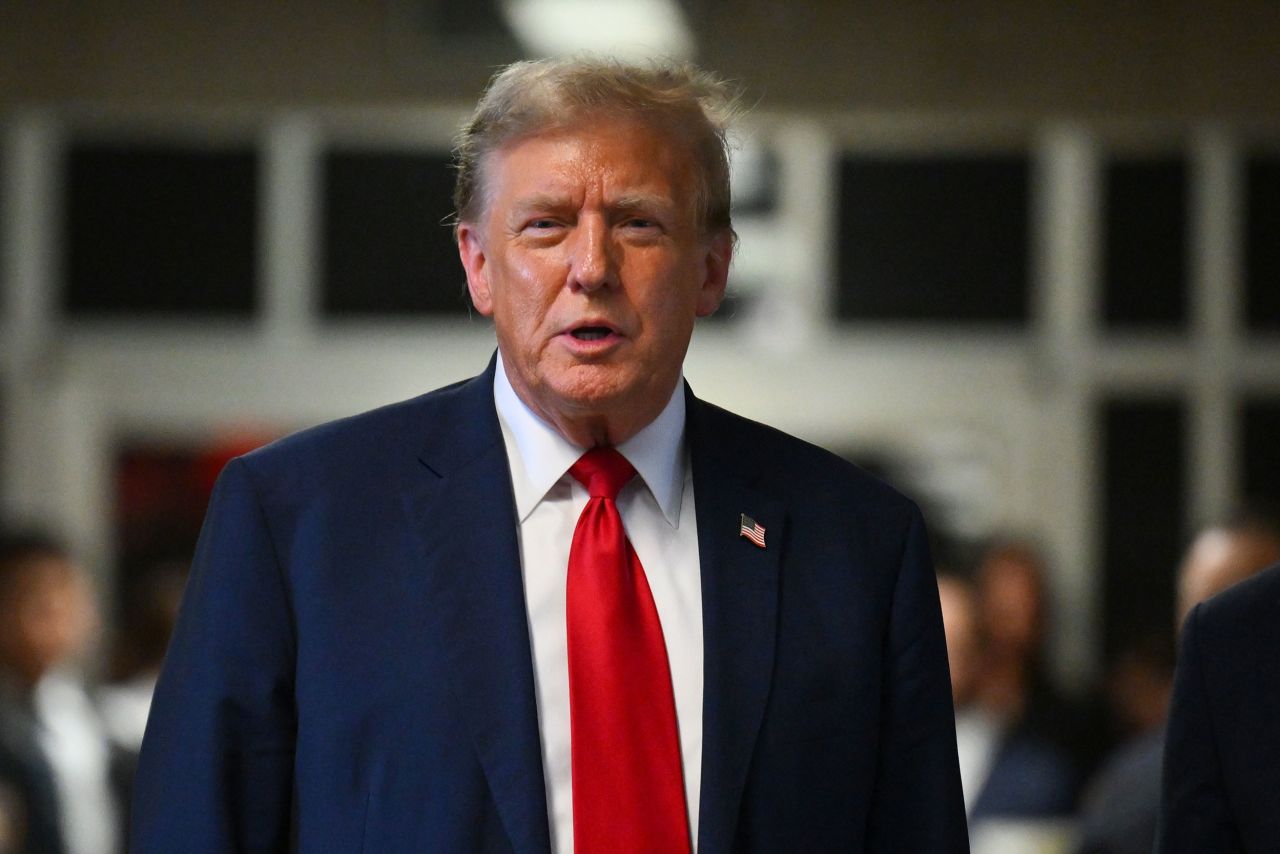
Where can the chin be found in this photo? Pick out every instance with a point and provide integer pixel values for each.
(590, 399)
(594, 388)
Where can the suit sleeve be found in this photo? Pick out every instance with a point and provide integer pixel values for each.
(1194, 814)
(917, 804)
(216, 769)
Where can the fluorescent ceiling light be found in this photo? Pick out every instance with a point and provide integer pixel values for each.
(627, 29)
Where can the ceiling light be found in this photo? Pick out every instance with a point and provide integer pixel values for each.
(627, 29)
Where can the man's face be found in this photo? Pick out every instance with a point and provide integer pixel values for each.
(1011, 603)
(591, 262)
(48, 616)
(960, 626)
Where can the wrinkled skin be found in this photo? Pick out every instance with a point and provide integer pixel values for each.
(589, 257)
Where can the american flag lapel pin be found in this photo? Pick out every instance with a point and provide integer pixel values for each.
(752, 530)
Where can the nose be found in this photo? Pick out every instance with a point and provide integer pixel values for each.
(591, 265)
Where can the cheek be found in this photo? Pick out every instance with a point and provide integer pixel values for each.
(525, 291)
(677, 304)
(520, 319)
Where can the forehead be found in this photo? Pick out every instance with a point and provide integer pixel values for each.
(36, 574)
(610, 156)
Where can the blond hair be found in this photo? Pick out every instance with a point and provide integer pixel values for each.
(534, 97)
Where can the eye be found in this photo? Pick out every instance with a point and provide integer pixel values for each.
(541, 224)
(640, 223)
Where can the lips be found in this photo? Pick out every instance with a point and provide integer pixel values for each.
(592, 337)
(590, 329)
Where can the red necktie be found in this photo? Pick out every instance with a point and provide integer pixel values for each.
(628, 787)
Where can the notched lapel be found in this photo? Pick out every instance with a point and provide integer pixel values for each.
(461, 508)
(739, 615)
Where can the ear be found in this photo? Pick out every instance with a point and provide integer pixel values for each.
(719, 254)
(471, 252)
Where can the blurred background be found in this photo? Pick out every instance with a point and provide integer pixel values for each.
(1021, 259)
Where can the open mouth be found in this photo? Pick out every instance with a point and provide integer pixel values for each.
(591, 333)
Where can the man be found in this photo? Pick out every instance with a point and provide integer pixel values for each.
(1221, 784)
(1121, 809)
(1008, 772)
(55, 760)
(462, 623)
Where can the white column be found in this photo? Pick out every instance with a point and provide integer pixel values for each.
(1066, 196)
(1215, 229)
(28, 192)
(796, 307)
(55, 444)
(288, 233)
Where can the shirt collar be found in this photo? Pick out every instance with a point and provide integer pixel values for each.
(539, 456)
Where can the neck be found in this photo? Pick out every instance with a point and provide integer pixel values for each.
(597, 423)
(593, 429)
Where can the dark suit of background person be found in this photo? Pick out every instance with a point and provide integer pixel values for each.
(1221, 784)
(26, 777)
(1121, 809)
(352, 666)
(1029, 780)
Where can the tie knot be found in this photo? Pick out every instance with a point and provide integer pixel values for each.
(603, 471)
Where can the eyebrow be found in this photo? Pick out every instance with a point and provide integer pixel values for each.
(643, 201)
(628, 202)
(539, 200)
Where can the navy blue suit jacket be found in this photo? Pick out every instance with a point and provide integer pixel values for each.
(1029, 779)
(1221, 779)
(351, 670)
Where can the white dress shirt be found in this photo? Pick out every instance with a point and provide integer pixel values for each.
(75, 745)
(657, 511)
(978, 735)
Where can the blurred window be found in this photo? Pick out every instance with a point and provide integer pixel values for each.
(159, 230)
(1262, 245)
(388, 248)
(933, 238)
(1260, 449)
(1144, 459)
(1145, 244)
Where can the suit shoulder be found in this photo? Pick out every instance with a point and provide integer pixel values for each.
(1229, 644)
(797, 466)
(356, 442)
(1244, 609)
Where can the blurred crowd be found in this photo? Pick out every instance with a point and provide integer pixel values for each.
(1046, 770)
(68, 749)
(1042, 769)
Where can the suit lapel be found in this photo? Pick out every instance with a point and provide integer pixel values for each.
(459, 501)
(739, 617)
(461, 508)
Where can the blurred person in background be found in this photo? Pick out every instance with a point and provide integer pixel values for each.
(1007, 772)
(1139, 683)
(1014, 682)
(149, 611)
(1121, 805)
(1011, 615)
(12, 816)
(55, 750)
(1220, 787)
